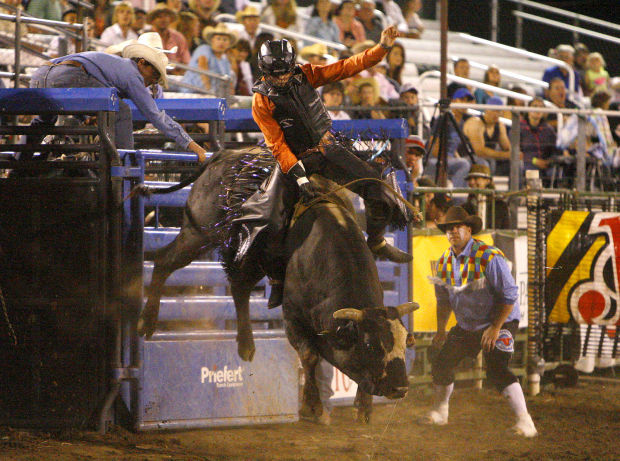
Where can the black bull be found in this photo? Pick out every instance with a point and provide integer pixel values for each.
(333, 300)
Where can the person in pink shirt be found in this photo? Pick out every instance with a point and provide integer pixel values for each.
(351, 30)
(160, 18)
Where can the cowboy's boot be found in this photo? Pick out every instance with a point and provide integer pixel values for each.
(377, 217)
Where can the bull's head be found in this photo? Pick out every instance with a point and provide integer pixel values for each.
(369, 346)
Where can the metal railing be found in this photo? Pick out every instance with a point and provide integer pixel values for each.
(506, 73)
(528, 54)
(561, 25)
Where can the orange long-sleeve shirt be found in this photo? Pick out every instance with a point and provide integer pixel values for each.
(262, 107)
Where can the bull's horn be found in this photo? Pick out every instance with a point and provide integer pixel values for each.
(349, 314)
(406, 308)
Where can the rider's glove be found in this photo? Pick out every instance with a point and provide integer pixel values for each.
(306, 188)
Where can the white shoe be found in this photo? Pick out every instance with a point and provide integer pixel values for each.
(438, 416)
(525, 426)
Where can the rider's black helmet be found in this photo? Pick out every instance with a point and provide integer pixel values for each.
(276, 57)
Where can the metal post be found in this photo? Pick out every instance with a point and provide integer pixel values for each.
(581, 154)
(84, 35)
(444, 49)
(575, 33)
(519, 29)
(494, 13)
(18, 45)
(515, 163)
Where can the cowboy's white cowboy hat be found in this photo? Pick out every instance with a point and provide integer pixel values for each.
(152, 39)
(152, 55)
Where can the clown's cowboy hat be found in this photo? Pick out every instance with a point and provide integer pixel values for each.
(458, 215)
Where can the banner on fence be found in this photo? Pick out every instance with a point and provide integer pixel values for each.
(583, 260)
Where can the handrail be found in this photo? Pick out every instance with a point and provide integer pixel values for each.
(528, 54)
(566, 13)
(470, 110)
(224, 78)
(507, 73)
(290, 33)
(561, 25)
(45, 22)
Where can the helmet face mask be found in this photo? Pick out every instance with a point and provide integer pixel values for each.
(276, 58)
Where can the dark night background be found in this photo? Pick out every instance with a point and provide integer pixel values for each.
(474, 17)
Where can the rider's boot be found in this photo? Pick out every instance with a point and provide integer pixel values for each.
(377, 217)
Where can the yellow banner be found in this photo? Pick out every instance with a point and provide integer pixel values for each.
(427, 249)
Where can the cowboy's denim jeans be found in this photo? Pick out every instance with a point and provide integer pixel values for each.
(64, 76)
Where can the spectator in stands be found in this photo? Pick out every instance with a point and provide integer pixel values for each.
(437, 208)
(564, 53)
(139, 21)
(188, 25)
(351, 30)
(512, 101)
(249, 17)
(424, 181)
(205, 10)
(414, 155)
(121, 30)
(368, 97)
(260, 39)
(333, 96)
(212, 56)
(414, 23)
(320, 24)
(238, 55)
(461, 69)
(282, 13)
(103, 15)
(597, 77)
(232, 6)
(387, 90)
(396, 63)
(45, 9)
(395, 17)
(315, 54)
(160, 18)
(372, 22)
(489, 139)
(140, 67)
(479, 177)
(492, 77)
(614, 122)
(175, 5)
(409, 97)
(580, 59)
(55, 45)
(598, 131)
(537, 140)
(556, 93)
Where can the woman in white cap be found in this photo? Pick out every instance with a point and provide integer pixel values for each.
(139, 67)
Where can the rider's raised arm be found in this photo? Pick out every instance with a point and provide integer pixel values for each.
(345, 68)
(262, 111)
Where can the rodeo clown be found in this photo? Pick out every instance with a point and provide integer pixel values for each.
(473, 280)
(296, 126)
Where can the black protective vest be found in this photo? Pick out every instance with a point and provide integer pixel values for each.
(299, 111)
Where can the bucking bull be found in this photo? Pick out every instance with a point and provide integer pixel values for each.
(333, 299)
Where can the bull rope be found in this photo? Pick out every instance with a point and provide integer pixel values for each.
(387, 425)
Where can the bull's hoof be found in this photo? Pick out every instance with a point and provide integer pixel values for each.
(147, 323)
(363, 416)
(325, 419)
(246, 349)
(306, 412)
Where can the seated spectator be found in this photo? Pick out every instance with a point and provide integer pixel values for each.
(238, 55)
(121, 30)
(314, 54)
(511, 101)
(598, 131)
(249, 17)
(333, 96)
(260, 39)
(395, 16)
(479, 177)
(103, 15)
(461, 69)
(492, 77)
(69, 16)
(414, 156)
(372, 22)
(458, 165)
(597, 77)
(351, 30)
(368, 97)
(556, 93)
(415, 25)
(437, 209)
(387, 90)
(409, 97)
(320, 24)
(188, 25)
(282, 13)
(206, 10)
(489, 139)
(614, 121)
(45, 9)
(580, 59)
(564, 53)
(160, 19)
(175, 5)
(396, 63)
(212, 56)
(537, 140)
(423, 181)
(139, 21)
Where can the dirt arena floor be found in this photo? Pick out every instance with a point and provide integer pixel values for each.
(581, 423)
